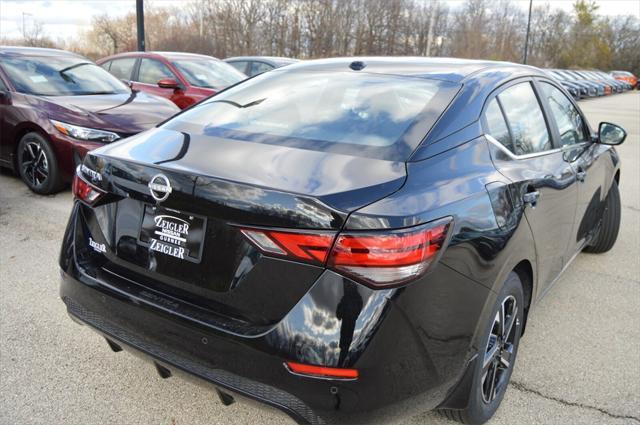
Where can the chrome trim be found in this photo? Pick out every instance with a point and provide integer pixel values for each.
(511, 155)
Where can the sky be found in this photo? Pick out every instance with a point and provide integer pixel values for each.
(67, 18)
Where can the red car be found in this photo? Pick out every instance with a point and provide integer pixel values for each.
(627, 77)
(56, 105)
(184, 78)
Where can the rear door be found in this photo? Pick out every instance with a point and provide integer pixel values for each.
(524, 151)
(149, 73)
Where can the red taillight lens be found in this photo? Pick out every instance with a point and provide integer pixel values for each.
(85, 191)
(322, 371)
(389, 259)
(378, 258)
(308, 247)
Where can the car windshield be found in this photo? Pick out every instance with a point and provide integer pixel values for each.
(558, 75)
(60, 76)
(208, 73)
(379, 116)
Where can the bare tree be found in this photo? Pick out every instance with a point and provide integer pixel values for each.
(485, 29)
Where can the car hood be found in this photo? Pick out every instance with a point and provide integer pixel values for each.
(126, 113)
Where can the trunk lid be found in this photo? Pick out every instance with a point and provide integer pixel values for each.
(217, 187)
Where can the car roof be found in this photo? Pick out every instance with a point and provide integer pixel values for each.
(35, 51)
(447, 69)
(166, 55)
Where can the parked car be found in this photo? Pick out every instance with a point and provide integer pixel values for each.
(620, 85)
(577, 91)
(626, 76)
(183, 78)
(56, 105)
(254, 65)
(616, 86)
(602, 89)
(608, 87)
(586, 89)
(347, 240)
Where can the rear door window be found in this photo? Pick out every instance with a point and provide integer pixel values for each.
(151, 71)
(259, 68)
(568, 119)
(122, 68)
(496, 124)
(526, 120)
(240, 66)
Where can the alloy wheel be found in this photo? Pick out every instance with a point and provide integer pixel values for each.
(35, 166)
(500, 349)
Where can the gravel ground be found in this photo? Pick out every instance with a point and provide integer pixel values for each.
(579, 362)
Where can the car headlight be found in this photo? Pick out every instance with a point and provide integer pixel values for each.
(83, 133)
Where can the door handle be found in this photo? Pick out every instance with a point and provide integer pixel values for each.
(531, 198)
(581, 175)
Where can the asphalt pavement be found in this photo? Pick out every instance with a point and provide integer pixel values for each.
(579, 361)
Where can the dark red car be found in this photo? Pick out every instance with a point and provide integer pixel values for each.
(56, 105)
(184, 78)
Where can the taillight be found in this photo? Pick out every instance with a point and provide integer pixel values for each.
(391, 258)
(305, 246)
(377, 258)
(84, 190)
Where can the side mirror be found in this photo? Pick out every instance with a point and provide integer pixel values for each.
(168, 83)
(611, 134)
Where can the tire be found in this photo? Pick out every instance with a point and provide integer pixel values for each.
(37, 165)
(608, 233)
(483, 401)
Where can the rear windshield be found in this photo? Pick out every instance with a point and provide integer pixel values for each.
(60, 76)
(356, 113)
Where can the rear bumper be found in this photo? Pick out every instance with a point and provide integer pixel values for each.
(411, 346)
(189, 368)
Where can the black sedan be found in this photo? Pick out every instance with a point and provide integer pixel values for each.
(347, 240)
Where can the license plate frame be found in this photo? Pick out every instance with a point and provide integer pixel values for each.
(172, 233)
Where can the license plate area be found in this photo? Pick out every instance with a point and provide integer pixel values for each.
(172, 233)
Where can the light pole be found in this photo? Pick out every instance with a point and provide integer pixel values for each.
(526, 40)
(140, 24)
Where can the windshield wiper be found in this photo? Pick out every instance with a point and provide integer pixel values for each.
(89, 93)
(69, 68)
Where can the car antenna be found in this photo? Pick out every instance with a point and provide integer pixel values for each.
(357, 65)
